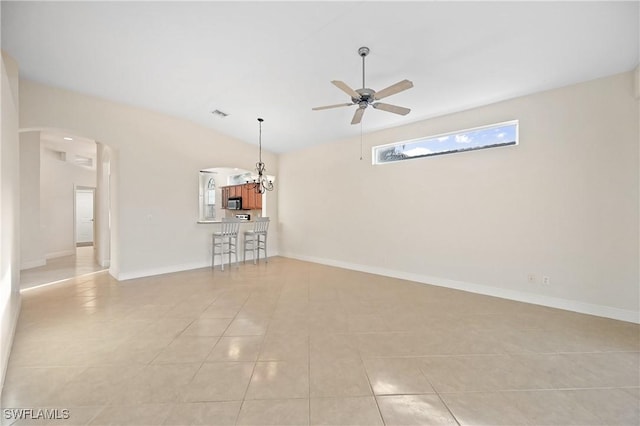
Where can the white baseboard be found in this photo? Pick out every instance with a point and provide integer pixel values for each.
(123, 276)
(32, 264)
(8, 323)
(59, 254)
(520, 296)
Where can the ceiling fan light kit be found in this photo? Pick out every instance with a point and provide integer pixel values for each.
(364, 97)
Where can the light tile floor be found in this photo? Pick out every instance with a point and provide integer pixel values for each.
(296, 343)
(61, 268)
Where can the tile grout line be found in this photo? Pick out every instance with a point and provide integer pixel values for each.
(209, 353)
(439, 397)
(375, 399)
(255, 363)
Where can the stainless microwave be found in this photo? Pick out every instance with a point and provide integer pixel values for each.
(234, 204)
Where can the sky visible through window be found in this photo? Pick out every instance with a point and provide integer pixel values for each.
(486, 137)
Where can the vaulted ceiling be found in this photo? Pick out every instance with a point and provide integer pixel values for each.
(276, 59)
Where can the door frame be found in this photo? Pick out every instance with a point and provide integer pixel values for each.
(76, 189)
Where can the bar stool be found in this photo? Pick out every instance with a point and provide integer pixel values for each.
(225, 241)
(256, 239)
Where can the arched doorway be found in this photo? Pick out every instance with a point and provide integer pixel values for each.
(57, 166)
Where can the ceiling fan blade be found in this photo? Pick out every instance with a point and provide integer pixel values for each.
(391, 108)
(331, 106)
(346, 89)
(357, 117)
(393, 89)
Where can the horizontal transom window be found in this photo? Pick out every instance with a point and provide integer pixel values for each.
(491, 136)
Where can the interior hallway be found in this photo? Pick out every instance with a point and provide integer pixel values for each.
(61, 268)
(297, 343)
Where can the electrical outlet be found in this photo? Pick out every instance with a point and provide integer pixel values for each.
(546, 280)
(531, 277)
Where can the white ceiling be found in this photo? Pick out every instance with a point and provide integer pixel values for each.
(276, 59)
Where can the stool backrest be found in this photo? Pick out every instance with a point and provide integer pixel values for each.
(230, 226)
(261, 224)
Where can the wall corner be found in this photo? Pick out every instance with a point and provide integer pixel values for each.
(636, 83)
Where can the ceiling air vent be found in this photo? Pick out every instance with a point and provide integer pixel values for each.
(219, 113)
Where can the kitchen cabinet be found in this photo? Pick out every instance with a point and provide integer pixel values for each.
(225, 197)
(250, 199)
(258, 201)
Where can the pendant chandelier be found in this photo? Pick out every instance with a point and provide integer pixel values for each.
(262, 183)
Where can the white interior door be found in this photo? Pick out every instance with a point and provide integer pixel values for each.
(84, 217)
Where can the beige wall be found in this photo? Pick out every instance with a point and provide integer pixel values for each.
(156, 176)
(9, 209)
(32, 253)
(563, 203)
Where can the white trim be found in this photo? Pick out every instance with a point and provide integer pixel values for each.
(59, 254)
(33, 264)
(169, 269)
(520, 296)
(8, 331)
(23, 289)
(123, 276)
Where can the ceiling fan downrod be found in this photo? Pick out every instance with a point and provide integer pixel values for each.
(363, 52)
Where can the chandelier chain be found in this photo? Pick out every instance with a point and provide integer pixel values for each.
(262, 183)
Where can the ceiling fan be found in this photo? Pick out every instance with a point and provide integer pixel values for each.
(365, 97)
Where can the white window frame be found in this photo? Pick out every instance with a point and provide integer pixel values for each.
(375, 149)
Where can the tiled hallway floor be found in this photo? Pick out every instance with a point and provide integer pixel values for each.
(296, 343)
(61, 268)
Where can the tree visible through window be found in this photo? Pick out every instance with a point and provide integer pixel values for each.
(503, 134)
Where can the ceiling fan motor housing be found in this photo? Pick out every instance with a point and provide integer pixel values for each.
(366, 96)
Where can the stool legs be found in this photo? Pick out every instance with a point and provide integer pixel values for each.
(227, 245)
(256, 252)
(233, 242)
(249, 244)
(218, 242)
(262, 244)
(255, 243)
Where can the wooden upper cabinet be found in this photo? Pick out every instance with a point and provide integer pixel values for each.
(247, 202)
(225, 197)
(250, 199)
(254, 198)
(257, 200)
